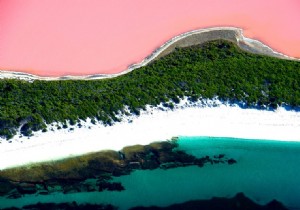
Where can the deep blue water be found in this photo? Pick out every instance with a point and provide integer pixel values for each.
(265, 170)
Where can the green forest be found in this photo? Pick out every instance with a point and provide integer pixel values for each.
(217, 68)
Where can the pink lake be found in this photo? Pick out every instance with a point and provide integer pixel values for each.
(76, 37)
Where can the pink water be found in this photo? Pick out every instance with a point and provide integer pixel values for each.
(77, 37)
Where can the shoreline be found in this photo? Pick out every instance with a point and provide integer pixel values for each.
(182, 40)
(209, 118)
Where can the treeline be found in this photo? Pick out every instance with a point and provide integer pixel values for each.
(217, 68)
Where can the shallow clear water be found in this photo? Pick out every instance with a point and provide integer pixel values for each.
(265, 170)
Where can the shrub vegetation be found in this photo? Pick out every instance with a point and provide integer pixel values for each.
(217, 68)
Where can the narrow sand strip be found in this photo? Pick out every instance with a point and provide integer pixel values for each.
(185, 39)
(153, 125)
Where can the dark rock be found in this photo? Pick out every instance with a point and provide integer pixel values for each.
(231, 161)
(6, 187)
(71, 189)
(166, 157)
(110, 186)
(183, 157)
(121, 171)
(43, 192)
(171, 165)
(220, 156)
(54, 188)
(239, 202)
(116, 186)
(91, 188)
(121, 155)
(14, 194)
(275, 205)
(134, 165)
(26, 188)
(150, 164)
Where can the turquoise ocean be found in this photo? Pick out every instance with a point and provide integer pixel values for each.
(265, 170)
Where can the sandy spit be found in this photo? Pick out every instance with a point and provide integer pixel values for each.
(190, 38)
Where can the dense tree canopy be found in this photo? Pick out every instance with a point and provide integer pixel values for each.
(217, 68)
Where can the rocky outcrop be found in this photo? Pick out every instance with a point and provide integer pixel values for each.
(94, 172)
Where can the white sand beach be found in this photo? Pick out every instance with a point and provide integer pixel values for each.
(209, 119)
(153, 124)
